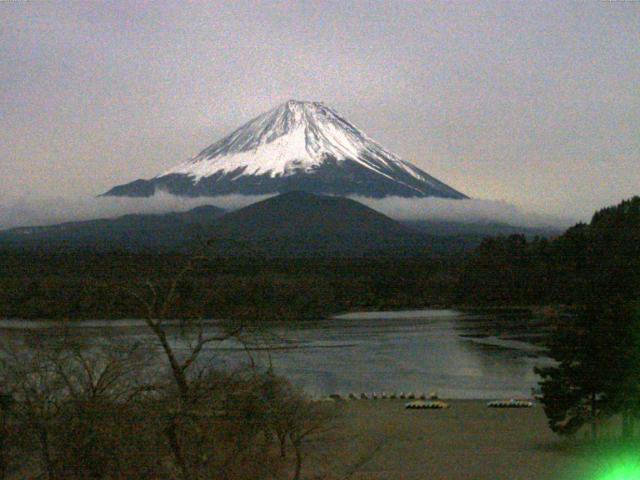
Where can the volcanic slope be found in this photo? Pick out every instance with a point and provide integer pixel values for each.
(297, 146)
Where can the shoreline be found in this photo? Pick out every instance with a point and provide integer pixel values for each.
(549, 310)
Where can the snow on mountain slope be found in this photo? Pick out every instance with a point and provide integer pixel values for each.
(296, 146)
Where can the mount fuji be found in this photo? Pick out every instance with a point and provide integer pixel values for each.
(304, 146)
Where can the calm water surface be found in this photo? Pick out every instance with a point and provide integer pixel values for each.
(456, 354)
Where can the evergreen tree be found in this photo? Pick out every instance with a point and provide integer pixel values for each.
(598, 351)
(574, 391)
(623, 387)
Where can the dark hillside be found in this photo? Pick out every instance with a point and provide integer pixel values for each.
(137, 233)
(304, 224)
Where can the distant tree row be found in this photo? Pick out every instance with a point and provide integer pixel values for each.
(90, 285)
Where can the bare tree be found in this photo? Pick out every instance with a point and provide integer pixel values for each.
(62, 390)
(159, 309)
(185, 370)
(38, 392)
(200, 422)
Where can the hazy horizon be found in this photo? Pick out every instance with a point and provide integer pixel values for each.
(532, 105)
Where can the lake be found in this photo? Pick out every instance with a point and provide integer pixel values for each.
(457, 354)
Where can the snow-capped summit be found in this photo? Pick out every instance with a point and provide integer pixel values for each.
(296, 146)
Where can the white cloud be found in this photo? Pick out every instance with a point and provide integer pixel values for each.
(466, 211)
(28, 211)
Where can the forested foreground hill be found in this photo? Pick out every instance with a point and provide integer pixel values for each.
(602, 256)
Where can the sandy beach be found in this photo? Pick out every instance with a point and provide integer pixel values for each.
(466, 441)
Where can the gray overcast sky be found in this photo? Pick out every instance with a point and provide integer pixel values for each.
(534, 103)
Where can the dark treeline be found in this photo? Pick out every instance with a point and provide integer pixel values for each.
(597, 350)
(595, 268)
(82, 285)
(601, 258)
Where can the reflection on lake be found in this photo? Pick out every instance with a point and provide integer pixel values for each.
(457, 355)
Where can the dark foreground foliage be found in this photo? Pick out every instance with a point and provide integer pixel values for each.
(598, 349)
(108, 409)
